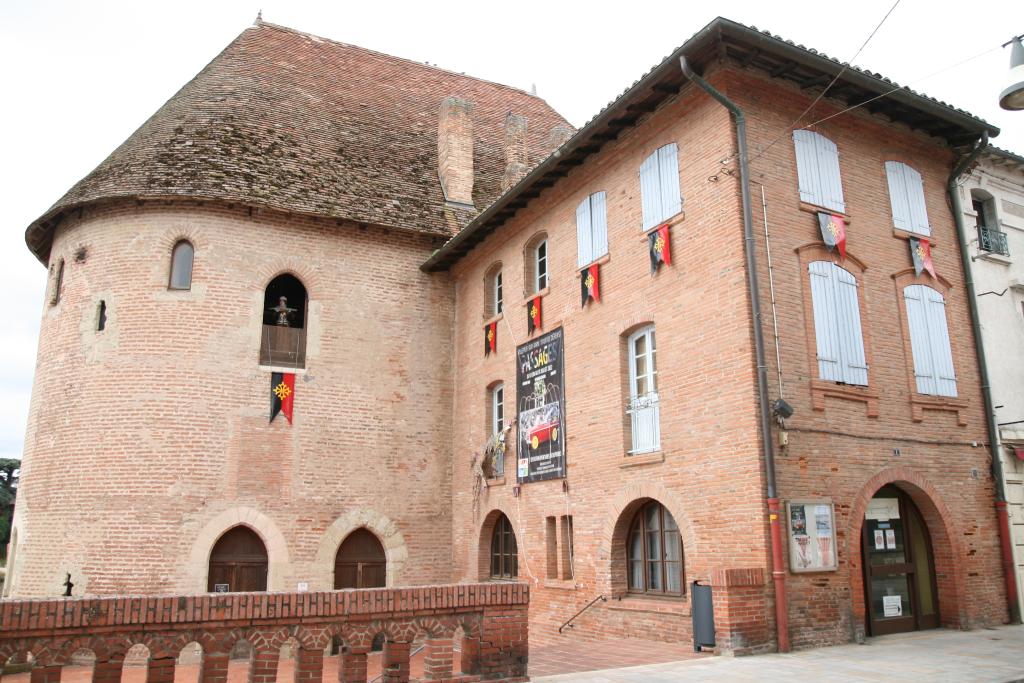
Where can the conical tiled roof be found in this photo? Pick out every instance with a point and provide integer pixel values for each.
(289, 121)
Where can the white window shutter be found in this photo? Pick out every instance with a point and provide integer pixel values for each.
(650, 191)
(917, 319)
(906, 194)
(584, 246)
(598, 225)
(807, 167)
(668, 171)
(829, 178)
(898, 195)
(817, 169)
(915, 197)
(938, 334)
(851, 337)
(823, 303)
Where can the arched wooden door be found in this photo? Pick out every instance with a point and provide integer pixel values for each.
(238, 562)
(360, 562)
(899, 570)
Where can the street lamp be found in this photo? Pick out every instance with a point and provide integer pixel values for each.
(1012, 97)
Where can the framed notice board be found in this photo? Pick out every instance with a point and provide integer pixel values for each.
(811, 527)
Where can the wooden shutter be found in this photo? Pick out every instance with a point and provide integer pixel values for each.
(906, 195)
(817, 167)
(851, 337)
(823, 303)
(598, 226)
(929, 341)
(837, 328)
(583, 243)
(668, 172)
(650, 191)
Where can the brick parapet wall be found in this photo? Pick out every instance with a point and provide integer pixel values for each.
(492, 619)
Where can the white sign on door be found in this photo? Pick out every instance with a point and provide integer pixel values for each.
(892, 606)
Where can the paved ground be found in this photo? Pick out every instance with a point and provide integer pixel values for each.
(982, 656)
(574, 656)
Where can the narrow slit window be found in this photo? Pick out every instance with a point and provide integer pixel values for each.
(181, 265)
(101, 316)
(58, 283)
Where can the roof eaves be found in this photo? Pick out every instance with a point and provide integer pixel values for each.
(477, 230)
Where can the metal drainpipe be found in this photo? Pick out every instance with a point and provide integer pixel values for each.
(778, 567)
(986, 389)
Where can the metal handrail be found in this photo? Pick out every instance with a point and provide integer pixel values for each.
(590, 604)
(992, 240)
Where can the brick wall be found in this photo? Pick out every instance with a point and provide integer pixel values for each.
(840, 451)
(708, 472)
(146, 441)
(489, 621)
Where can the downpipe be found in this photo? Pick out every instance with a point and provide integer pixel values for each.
(1002, 514)
(749, 247)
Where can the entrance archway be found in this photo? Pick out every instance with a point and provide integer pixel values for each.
(238, 562)
(899, 565)
(360, 562)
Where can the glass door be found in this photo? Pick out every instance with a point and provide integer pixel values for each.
(899, 575)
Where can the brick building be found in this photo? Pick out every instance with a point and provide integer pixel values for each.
(421, 227)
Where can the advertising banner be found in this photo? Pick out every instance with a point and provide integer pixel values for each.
(541, 421)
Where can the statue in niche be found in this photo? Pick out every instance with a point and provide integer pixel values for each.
(284, 314)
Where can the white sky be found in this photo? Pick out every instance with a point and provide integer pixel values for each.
(80, 77)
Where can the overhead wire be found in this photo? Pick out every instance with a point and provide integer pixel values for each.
(817, 99)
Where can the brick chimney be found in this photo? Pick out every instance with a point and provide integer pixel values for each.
(455, 150)
(558, 136)
(515, 150)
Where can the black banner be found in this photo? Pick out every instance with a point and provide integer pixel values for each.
(541, 420)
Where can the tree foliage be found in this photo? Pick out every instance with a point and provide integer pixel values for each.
(10, 469)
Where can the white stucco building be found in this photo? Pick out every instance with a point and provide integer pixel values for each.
(992, 196)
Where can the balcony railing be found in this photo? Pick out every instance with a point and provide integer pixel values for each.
(644, 416)
(283, 346)
(992, 240)
(489, 619)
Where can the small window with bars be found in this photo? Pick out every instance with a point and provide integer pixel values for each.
(990, 237)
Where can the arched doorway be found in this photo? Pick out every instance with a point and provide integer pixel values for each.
(504, 550)
(899, 566)
(360, 562)
(238, 562)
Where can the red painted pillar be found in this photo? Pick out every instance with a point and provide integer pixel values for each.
(779, 576)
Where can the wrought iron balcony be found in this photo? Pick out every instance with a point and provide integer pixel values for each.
(644, 414)
(992, 240)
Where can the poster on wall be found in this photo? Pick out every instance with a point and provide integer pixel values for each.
(541, 419)
(812, 537)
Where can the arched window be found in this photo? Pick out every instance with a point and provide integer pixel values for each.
(504, 551)
(283, 341)
(654, 551)
(181, 265)
(360, 562)
(496, 424)
(238, 562)
(494, 293)
(643, 408)
(990, 237)
(535, 262)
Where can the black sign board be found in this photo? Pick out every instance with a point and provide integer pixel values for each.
(221, 587)
(541, 418)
